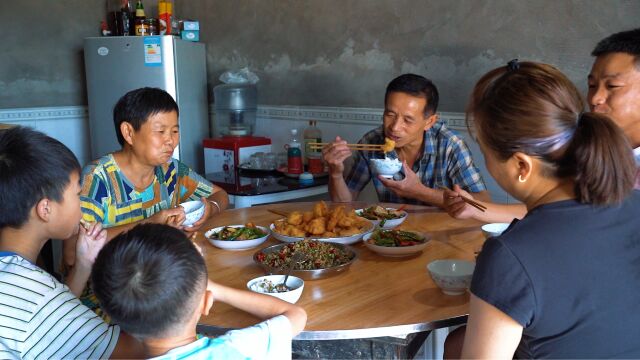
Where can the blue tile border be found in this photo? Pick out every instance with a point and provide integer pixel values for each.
(341, 115)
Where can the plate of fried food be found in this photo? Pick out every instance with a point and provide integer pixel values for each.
(386, 218)
(237, 237)
(321, 259)
(396, 243)
(335, 225)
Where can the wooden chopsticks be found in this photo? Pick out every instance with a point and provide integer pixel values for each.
(175, 200)
(85, 224)
(278, 212)
(471, 202)
(369, 147)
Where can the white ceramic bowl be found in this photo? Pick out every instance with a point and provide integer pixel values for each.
(235, 244)
(193, 211)
(453, 277)
(494, 229)
(389, 224)
(385, 167)
(395, 251)
(295, 283)
(345, 240)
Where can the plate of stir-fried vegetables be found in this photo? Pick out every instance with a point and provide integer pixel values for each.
(321, 258)
(386, 218)
(395, 242)
(237, 237)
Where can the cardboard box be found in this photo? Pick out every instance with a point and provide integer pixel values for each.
(190, 35)
(190, 25)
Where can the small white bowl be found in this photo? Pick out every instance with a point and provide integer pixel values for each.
(193, 211)
(453, 277)
(389, 224)
(295, 283)
(385, 167)
(236, 244)
(494, 229)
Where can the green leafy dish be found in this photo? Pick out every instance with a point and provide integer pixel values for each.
(380, 213)
(230, 233)
(395, 238)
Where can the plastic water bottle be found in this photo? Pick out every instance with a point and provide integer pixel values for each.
(294, 154)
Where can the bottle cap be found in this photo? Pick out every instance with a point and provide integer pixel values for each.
(305, 178)
(294, 131)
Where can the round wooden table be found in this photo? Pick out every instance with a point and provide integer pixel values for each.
(377, 296)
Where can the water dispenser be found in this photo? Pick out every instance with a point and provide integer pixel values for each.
(235, 108)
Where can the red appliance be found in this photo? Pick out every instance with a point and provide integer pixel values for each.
(226, 153)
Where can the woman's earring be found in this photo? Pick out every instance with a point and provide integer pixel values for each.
(521, 179)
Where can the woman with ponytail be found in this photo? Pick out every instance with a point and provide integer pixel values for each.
(563, 280)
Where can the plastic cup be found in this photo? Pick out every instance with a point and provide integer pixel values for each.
(282, 159)
(256, 161)
(270, 161)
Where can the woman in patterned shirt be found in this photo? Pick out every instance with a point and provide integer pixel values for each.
(142, 183)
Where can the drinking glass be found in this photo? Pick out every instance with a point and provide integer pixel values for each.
(270, 161)
(282, 159)
(256, 160)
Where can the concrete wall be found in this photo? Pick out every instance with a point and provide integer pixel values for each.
(343, 53)
(41, 61)
(320, 52)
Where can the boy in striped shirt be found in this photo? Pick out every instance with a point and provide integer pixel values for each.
(40, 318)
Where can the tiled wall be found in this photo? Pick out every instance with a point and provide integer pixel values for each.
(351, 124)
(70, 126)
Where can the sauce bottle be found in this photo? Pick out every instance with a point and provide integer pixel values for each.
(141, 27)
(124, 25)
(170, 19)
(104, 29)
(163, 18)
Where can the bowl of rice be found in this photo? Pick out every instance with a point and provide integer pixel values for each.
(386, 167)
(269, 285)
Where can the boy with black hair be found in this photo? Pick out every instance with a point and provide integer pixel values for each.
(40, 317)
(152, 281)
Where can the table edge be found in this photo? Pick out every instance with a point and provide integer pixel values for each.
(396, 330)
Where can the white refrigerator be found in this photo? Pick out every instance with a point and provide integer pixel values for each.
(118, 64)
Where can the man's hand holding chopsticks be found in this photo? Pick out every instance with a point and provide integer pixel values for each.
(334, 154)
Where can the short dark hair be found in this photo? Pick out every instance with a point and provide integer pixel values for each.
(136, 106)
(33, 166)
(418, 86)
(535, 109)
(148, 279)
(622, 42)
